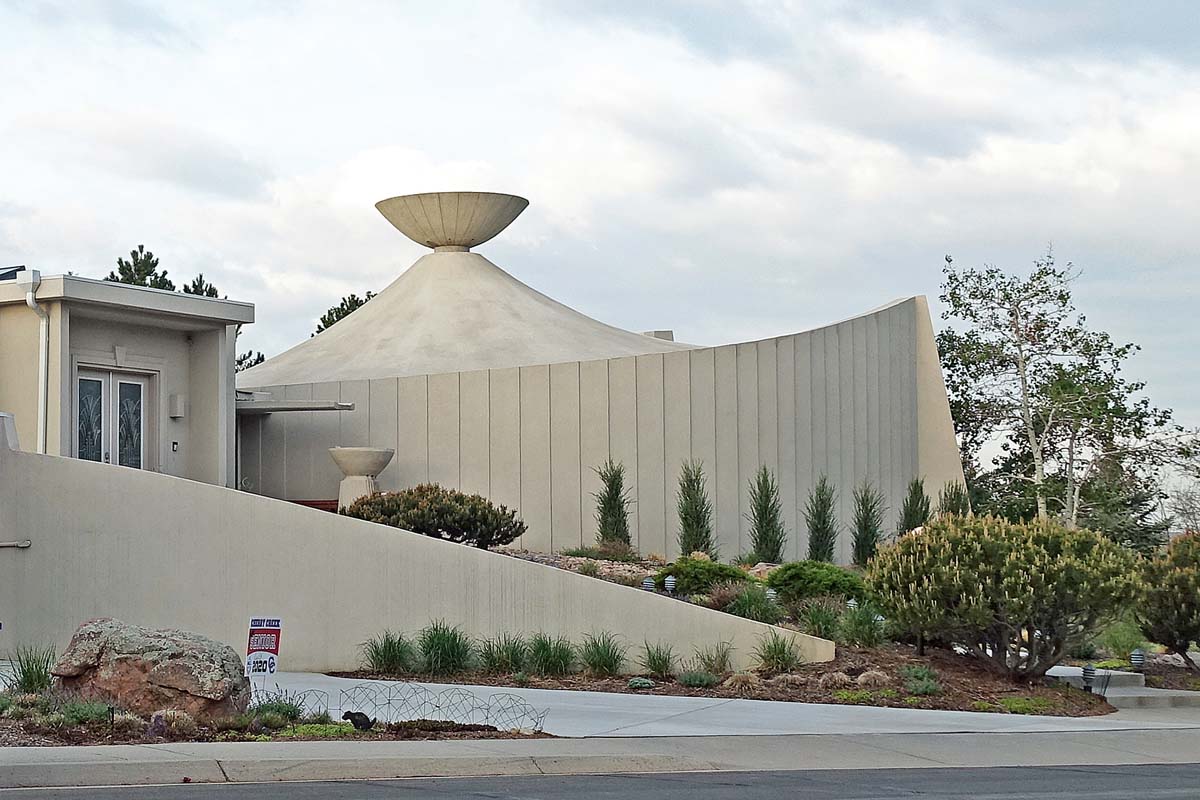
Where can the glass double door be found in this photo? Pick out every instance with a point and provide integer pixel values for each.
(111, 415)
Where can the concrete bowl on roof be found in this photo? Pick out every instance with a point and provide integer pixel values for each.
(452, 219)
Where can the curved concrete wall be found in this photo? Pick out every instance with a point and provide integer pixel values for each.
(860, 400)
(167, 552)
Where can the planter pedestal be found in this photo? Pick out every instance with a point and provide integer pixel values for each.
(360, 465)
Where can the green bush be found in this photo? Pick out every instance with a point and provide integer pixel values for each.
(717, 658)
(819, 616)
(550, 655)
(84, 712)
(1120, 638)
(821, 518)
(503, 653)
(695, 512)
(920, 681)
(601, 654)
(697, 576)
(612, 504)
(441, 513)
(861, 626)
(444, 649)
(1169, 607)
(30, 665)
(915, 510)
(1118, 664)
(767, 534)
(866, 527)
(640, 683)
(1014, 596)
(389, 654)
(753, 603)
(777, 653)
(658, 660)
(799, 580)
(698, 679)
(289, 709)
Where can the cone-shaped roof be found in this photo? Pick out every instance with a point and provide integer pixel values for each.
(452, 310)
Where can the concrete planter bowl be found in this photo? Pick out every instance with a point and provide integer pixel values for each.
(361, 461)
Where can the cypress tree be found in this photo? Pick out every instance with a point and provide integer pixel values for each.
(767, 535)
(822, 521)
(867, 526)
(695, 511)
(915, 511)
(612, 504)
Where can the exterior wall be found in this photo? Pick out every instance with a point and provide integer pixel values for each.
(163, 551)
(859, 400)
(19, 370)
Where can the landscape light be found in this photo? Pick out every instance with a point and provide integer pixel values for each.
(1089, 677)
(669, 584)
(648, 583)
(1137, 659)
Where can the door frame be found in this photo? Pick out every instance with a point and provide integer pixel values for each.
(111, 378)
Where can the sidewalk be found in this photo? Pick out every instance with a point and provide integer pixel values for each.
(306, 761)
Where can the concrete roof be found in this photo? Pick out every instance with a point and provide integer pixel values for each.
(452, 311)
(100, 298)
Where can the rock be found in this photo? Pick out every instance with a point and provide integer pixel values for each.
(144, 671)
(762, 569)
(699, 555)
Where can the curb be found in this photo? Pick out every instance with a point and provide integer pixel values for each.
(206, 770)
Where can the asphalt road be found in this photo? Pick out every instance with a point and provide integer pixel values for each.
(1006, 783)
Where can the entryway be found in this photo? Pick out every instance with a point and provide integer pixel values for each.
(111, 417)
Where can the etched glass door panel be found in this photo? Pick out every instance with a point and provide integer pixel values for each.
(130, 423)
(91, 418)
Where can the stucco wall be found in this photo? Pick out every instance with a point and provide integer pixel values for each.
(856, 400)
(164, 551)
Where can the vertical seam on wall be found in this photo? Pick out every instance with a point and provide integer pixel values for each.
(579, 440)
(550, 450)
(458, 378)
(520, 452)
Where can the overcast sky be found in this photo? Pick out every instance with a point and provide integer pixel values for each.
(731, 172)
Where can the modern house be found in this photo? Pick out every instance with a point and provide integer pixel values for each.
(121, 374)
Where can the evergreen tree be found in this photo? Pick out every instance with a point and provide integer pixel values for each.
(822, 521)
(695, 512)
(141, 270)
(348, 306)
(767, 534)
(612, 504)
(954, 499)
(201, 287)
(915, 510)
(867, 525)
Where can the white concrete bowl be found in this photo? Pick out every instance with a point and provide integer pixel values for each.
(459, 220)
(368, 461)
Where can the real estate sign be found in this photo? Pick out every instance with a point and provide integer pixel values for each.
(262, 646)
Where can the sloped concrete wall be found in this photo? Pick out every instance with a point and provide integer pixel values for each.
(163, 551)
(859, 400)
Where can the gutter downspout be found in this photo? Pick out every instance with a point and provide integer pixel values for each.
(32, 279)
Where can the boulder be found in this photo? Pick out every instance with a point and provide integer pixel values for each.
(144, 670)
(762, 569)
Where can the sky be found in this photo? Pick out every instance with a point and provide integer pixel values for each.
(729, 171)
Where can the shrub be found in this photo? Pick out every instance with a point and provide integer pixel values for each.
(720, 595)
(640, 683)
(272, 721)
(920, 681)
(866, 527)
(1120, 638)
(819, 616)
(444, 649)
(777, 653)
(291, 709)
(30, 665)
(717, 659)
(698, 679)
(1084, 650)
(85, 712)
(389, 654)
(602, 654)
(954, 499)
(175, 723)
(505, 652)
(695, 576)
(1169, 611)
(914, 512)
(767, 534)
(861, 626)
(1118, 664)
(612, 504)
(442, 513)
(550, 655)
(605, 551)
(658, 660)
(589, 568)
(821, 519)
(1014, 596)
(126, 724)
(520, 678)
(799, 580)
(695, 511)
(753, 603)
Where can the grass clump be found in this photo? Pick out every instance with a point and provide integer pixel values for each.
(550, 655)
(589, 568)
(289, 709)
(777, 653)
(1121, 638)
(31, 665)
(85, 712)
(612, 504)
(821, 519)
(920, 681)
(753, 603)
(861, 626)
(695, 511)
(444, 649)
(602, 655)
(605, 551)
(717, 658)
(698, 679)
(856, 697)
(1025, 705)
(312, 730)
(1118, 664)
(505, 652)
(658, 660)
(819, 616)
(389, 654)
(767, 534)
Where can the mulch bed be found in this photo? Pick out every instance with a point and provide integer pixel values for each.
(965, 686)
(1167, 676)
